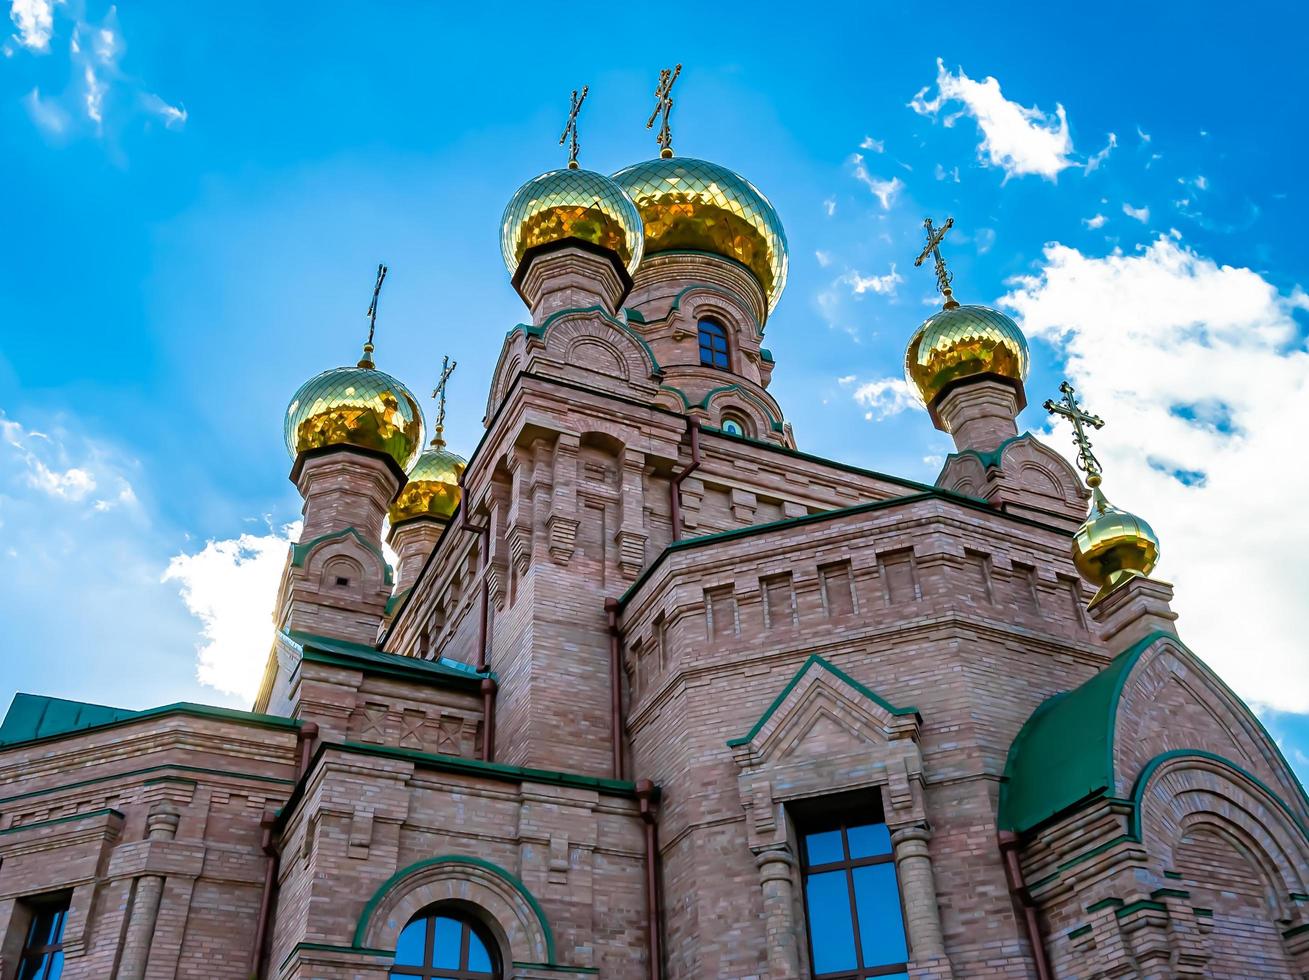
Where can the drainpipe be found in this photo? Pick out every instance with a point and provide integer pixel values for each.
(1018, 889)
(615, 687)
(308, 735)
(488, 719)
(675, 490)
(644, 794)
(485, 532)
(264, 924)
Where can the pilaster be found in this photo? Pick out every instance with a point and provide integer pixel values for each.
(979, 414)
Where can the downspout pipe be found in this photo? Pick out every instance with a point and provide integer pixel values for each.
(1013, 872)
(675, 490)
(488, 719)
(615, 687)
(485, 531)
(645, 791)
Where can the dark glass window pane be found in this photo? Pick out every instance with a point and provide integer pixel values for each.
(870, 840)
(445, 950)
(881, 924)
(409, 947)
(831, 928)
(56, 968)
(824, 848)
(478, 957)
(31, 969)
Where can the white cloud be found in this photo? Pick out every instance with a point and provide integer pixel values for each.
(35, 20)
(1202, 374)
(1018, 139)
(830, 206)
(875, 146)
(1144, 136)
(882, 398)
(1094, 161)
(231, 587)
(48, 115)
(1141, 214)
(38, 462)
(885, 191)
(882, 285)
(1097, 221)
(824, 258)
(94, 98)
(174, 116)
(942, 174)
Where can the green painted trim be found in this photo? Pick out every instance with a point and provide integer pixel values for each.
(1087, 855)
(1079, 932)
(709, 287)
(993, 458)
(540, 329)
(1105, 903)
(633, 314)
(815, 659)
(750, 396)
(103, 812)
(1204, 913)
(490, 770)
(926, 493)
(766, 355)
(358, 656)
(1139, 905)
(181, 707)
(300, 550)
(141, 772)
(329, 948)
(686, 402)
(556, 967)
(1296, 930)
(168, 779)
(1143, 780)
(1299, 897)
(1170, 893)
(365, 917)
(1175, 875)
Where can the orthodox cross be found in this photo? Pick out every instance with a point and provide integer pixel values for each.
(367, 359)
(1069, 409)
(571, 128)
(447, 368)
(933, 248)
(664, 104)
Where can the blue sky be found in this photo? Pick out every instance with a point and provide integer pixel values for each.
(195, 199)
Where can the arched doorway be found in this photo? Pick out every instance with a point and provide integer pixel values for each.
(441, 943)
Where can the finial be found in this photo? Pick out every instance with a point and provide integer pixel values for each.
(367, 360)
(571, 128)
(447, 368)
(1086, 462)
(664, 104)
(933, 248)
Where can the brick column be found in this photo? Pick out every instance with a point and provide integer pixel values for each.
(161, 824)
(778, 884)
(913, 865)
(979, 415)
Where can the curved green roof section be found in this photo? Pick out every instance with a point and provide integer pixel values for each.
(1064, 753)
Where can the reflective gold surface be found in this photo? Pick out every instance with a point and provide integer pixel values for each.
(570, 204)
(1113, 546)
(433, 487)
(355, 406)
(960, 343)
(692, 204)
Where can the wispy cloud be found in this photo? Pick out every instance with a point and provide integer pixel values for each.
(174, 116)
(881, 398)
(885, 191)
(1018, 139)
(1141, 214)
(872, 145)
(942, 174)
(35, 20)
(48, 114)
(1096, 221)
(1200, 436)
(882, 285)
(1093, 162)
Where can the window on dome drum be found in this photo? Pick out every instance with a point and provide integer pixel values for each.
(442, 945)
(852, 897)
(713, 345)
(42, 957)
(733, 427)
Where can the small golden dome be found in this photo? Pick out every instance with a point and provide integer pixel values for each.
(571, 203)
(962, 342)
(433, 487)
(355, 406)
(700, 206)
(1113, 546)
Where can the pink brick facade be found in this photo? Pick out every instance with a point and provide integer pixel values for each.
(594, 708)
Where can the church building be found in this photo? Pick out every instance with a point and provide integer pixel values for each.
(651, 693)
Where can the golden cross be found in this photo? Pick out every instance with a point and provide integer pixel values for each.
(447, 368)
(1069, 409)
(367, 360)
(664, 104)
(933, 248)
(571, 128)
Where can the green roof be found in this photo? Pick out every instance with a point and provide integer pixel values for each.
(300, 550)
(33, 716)
(360, 656)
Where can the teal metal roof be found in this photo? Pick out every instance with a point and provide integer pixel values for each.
(343, 653)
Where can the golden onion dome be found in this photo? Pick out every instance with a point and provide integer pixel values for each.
(355, 406)
(963, 342)
(571, 203)
(700, 206)
(433, 487)
(1113, 546)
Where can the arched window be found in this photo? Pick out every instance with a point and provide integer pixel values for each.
(713, 345)
(442, 945)
(733, 426)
